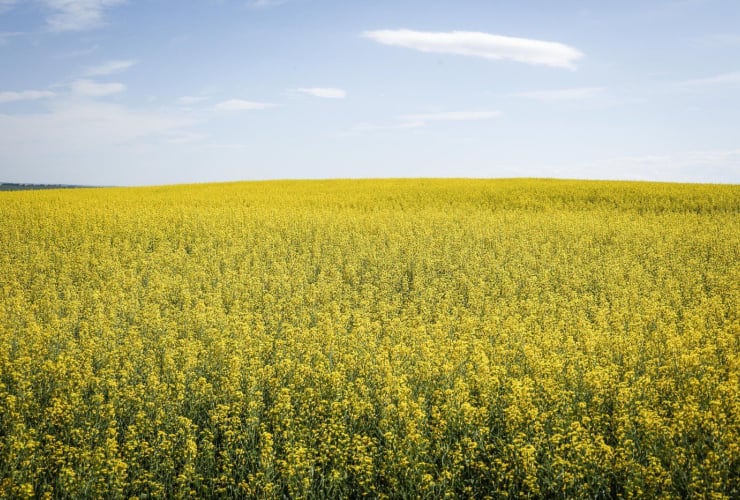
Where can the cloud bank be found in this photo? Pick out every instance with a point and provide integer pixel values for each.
(485, 45)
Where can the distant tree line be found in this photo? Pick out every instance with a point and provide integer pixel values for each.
(11, 186)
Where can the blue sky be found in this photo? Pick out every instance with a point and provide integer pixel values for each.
(116, 92)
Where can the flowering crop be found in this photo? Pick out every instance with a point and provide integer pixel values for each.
(389, 338)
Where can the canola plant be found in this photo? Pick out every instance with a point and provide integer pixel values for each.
(382, 339)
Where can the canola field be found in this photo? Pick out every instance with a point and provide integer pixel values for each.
(381, 339)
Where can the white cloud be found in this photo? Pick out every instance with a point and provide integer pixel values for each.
(724, 78)
(25, 95)
(477, 44)
(77, 15)
(91, 88)
(325, 92)
(189, 99)
(110, 67)
(241, 105)
(570, 94)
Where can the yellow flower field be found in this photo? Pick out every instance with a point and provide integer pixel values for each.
(384, 338)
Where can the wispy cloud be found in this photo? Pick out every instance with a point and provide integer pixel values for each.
(110, 67)
(421, 119)
(261, 4)
(25, 95)
(77, 15)
(722, 79)
(189, 99)
(74, 125)
(418, 120)
(485, 45)
(69, 54)
(91, 88)
(374, 127)
(7, 5)
(570, 94)
(5, 35)
(241, 105)
(325, 92)
(719, 40)
(187, 137)
(687, 166)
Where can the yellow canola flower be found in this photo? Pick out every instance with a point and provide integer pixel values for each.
(383, 338)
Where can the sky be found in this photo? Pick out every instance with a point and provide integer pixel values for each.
(143, 92)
